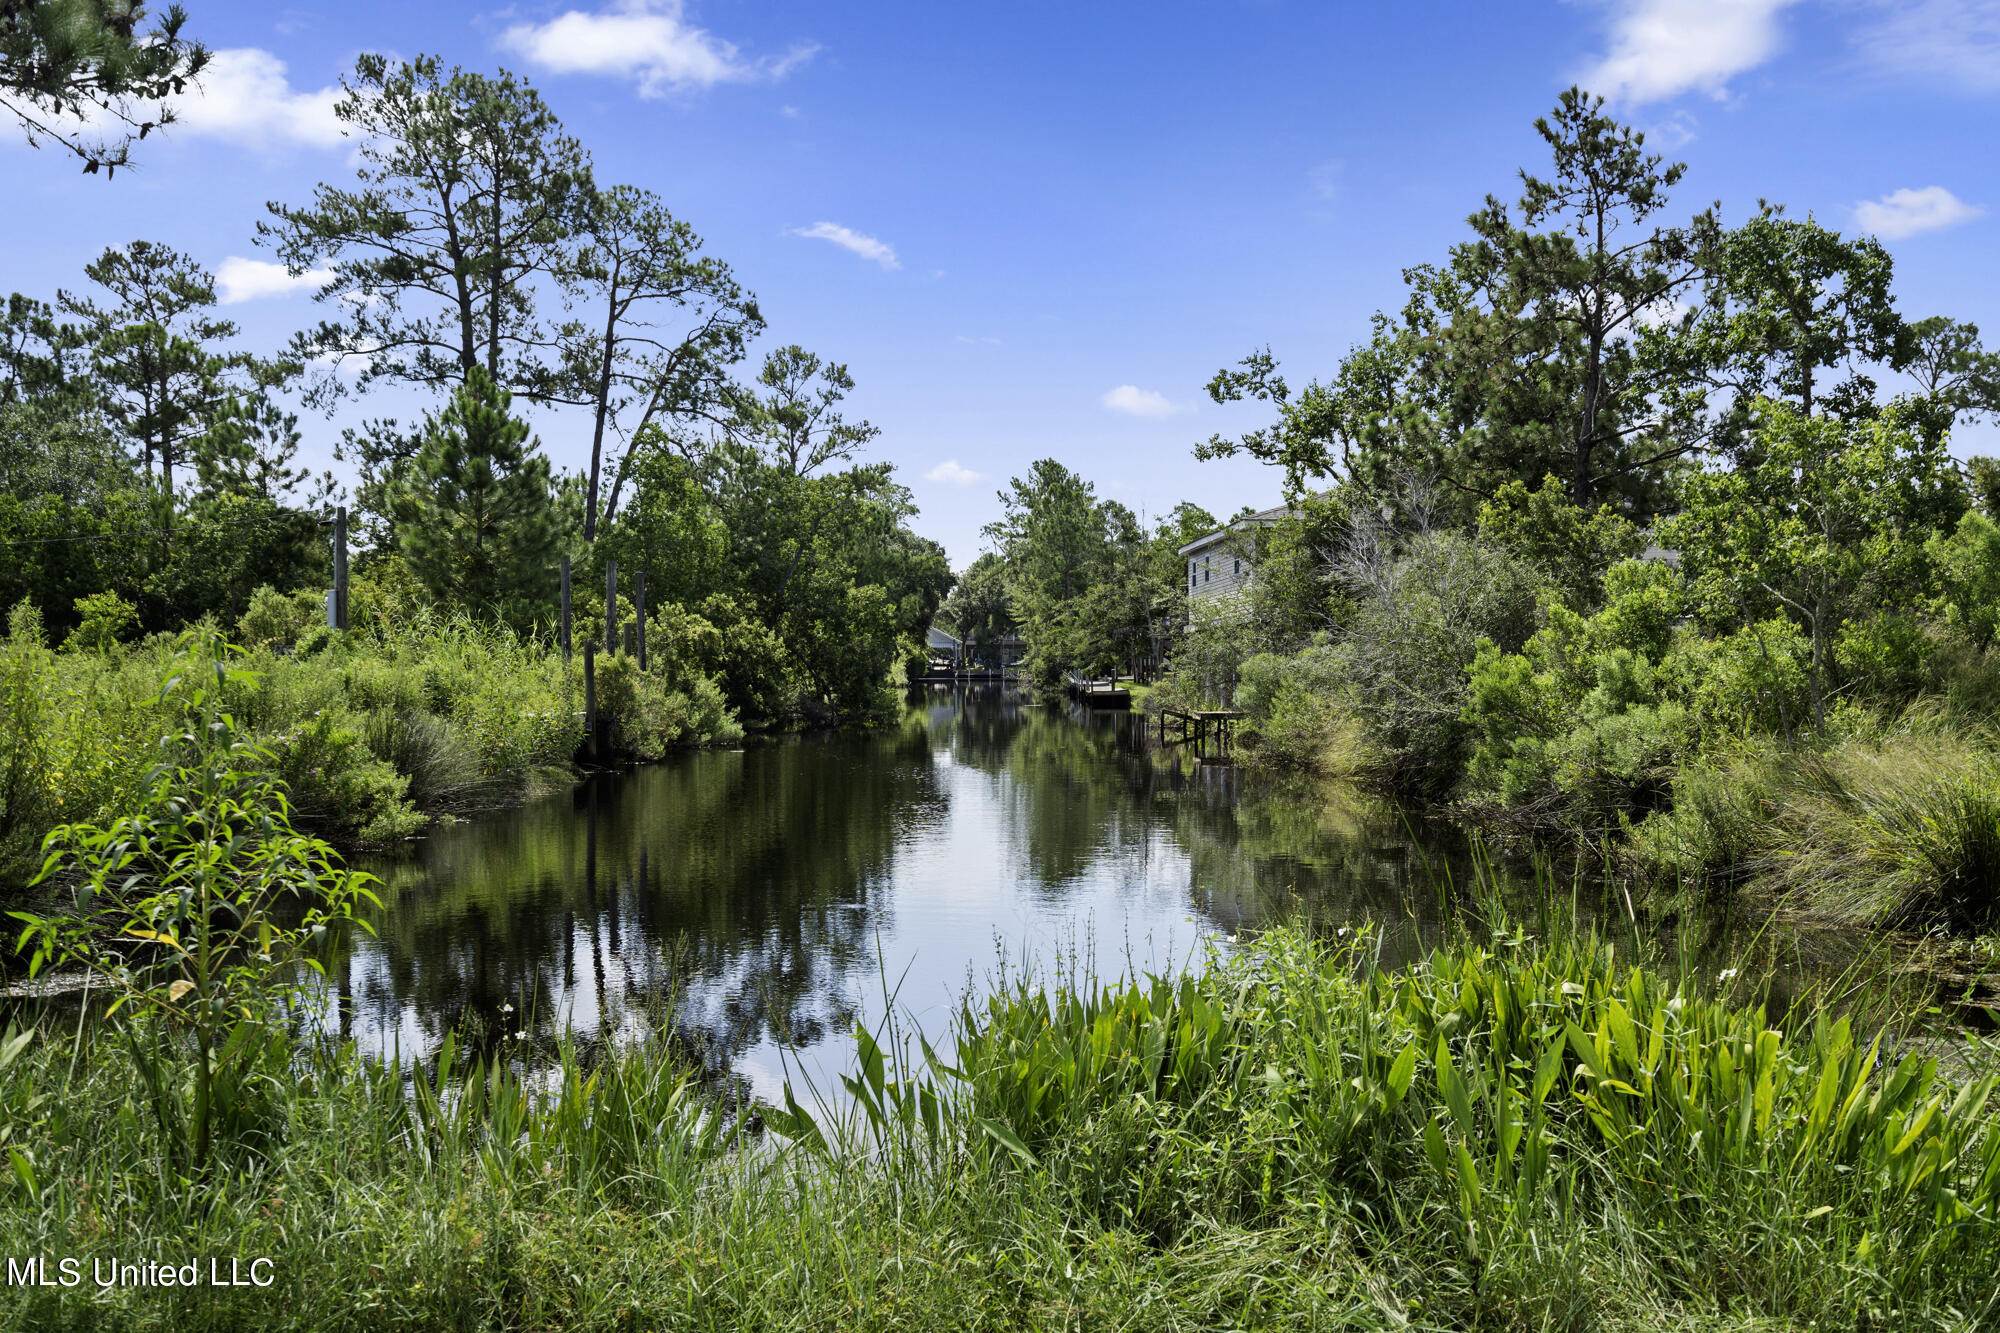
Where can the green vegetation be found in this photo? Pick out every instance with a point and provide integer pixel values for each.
(146, 458)
(1611, 537)
(412, 714)
(1524, 1133)
(1091, 590)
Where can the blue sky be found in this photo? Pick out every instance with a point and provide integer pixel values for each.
(1035, 230)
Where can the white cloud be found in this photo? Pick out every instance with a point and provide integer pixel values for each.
(1135, 401)
(1663, 48)
(1954, 40)
(1676, 132)
(865, 246)
(242, 279)
(243, 96)
(649, 41)
(950, 471)
(1907, 212)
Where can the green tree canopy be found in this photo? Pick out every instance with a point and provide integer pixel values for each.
(475, 508)
(1829, 523)
(155, 352)
(71, 63)
(468, 193)
(1524, 353)
(662, 324)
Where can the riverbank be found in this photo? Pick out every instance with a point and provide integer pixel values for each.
(1516, 1133)
(1887, 819)
(374, 734)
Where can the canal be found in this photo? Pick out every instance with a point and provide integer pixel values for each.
(766, 899)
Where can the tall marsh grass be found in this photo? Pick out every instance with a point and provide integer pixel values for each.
(1895, 823)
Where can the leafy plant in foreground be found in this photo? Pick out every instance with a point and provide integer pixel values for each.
(202, 908)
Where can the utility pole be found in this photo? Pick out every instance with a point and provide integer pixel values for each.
(639, 611)
(565, 608)
(340, 568)
(611, 606)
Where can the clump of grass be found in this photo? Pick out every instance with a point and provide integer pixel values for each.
(1902, 829)
(1893, 824)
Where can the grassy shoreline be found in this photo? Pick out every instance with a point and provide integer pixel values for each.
(1521, 1133)
(374, 734)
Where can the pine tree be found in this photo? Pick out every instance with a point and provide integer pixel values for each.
(474, 510)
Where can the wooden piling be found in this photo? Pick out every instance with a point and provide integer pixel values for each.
(590, 700)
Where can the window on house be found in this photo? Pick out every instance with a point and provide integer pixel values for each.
(1239, 567)
(1204, 571)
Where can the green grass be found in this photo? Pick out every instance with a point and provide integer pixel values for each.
(1518, 1133)
(1895, 824)
(373, 732)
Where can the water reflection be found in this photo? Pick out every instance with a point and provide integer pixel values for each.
(782, 888)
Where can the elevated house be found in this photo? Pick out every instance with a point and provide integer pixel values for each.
(1221, 565)
(946, 652)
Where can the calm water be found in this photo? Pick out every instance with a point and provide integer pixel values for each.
(781, 887)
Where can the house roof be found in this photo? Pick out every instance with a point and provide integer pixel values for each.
(937, 638)
(1262, 518)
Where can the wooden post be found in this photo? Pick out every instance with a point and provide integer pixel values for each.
(340, 568)
(639, 611)
(590, 700)
(611, 606)
(565, 608)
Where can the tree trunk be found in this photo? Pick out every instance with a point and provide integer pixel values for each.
(603, 410)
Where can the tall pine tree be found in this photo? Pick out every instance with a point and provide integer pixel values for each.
(474, 509)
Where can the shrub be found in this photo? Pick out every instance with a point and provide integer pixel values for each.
(1968, 564)
(196, 906)
(1751, 681)
(276, 619)
(337, 782)
(1419, 619)
(1572, 547)
(105, 619)
(1297, 714)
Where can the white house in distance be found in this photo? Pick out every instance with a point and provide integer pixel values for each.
(1221, 564)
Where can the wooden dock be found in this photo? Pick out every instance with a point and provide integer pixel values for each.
(1097, 693)
(1198, 724)
(965, 676)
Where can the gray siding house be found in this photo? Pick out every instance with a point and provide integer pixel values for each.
(1222, 564)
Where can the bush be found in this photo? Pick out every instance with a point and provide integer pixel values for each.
(275, 619)
(104, 619)
(1297, 714)
(1419, 619)
(1571, 546)
(1752, 681)
(336, 781)
(196, 907)
(1968, 564)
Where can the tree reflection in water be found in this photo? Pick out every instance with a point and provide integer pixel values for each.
(773, 887)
